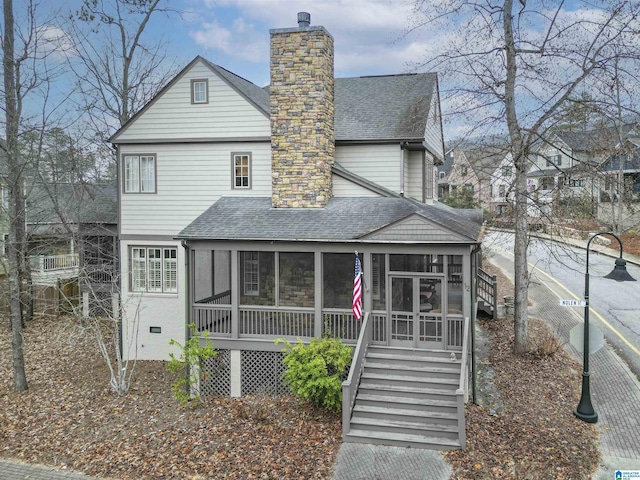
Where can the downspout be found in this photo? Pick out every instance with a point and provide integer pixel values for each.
(187, 293)
(474, 314)
(402, 145)
(118, 251)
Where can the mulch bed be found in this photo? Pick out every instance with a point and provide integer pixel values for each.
(69, 418)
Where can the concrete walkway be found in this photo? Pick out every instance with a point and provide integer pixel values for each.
(24, 471)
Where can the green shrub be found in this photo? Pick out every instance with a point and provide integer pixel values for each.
(188, 367)
(315, 372)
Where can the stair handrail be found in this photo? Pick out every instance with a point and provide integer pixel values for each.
(463, 384)
(350, 385)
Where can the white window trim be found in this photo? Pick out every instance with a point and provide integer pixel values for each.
(138, 184)
(199, 81)
(143, 266)
(235, 155)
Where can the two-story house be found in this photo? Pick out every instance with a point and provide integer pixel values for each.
(566, 167)
(485, 171)
(242, 210)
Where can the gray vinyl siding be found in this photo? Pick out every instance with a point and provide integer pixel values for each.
(190, 178)
(413, 175)
(414, 229)
(173, 116)
(377, 163)
(433, 132)
(345, 188)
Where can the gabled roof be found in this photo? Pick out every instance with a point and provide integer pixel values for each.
(593, 139)
(485, 160)
(342, 172)
(375, 108)
(72, 204)
(344, 219)
(383, 107)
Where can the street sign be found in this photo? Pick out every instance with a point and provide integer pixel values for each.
(596, 338)
(573, 303)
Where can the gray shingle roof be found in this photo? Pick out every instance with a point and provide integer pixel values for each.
(343, 219)
(73, 204)
(384, 107)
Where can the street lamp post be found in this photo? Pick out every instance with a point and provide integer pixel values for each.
(585, 411)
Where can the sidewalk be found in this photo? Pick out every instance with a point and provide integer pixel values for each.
(25, 471)
(615, 391)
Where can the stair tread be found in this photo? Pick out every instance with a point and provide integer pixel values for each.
(401, 424)
(385, 376)
(406, 400)
(410, 368)
(414, 358)
(402, 411)
(405, 437)
(406, 389)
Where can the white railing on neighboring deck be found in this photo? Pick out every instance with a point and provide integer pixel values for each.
(350, 385)
(49, 263)
(463, 384)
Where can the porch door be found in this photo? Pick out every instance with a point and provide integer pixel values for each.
(415, 322)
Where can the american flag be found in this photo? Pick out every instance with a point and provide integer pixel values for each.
(357, 291)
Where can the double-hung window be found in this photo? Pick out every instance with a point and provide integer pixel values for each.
(199, 91)
(154, 269)
(506, 171)
(554, 160)
(241, 165)
(139, 172)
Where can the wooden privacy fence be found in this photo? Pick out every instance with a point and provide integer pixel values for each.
(59, 299)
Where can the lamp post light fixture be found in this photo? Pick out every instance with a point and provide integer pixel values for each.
(585, 411)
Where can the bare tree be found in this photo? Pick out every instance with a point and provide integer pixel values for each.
(512, 66)
(118, 71)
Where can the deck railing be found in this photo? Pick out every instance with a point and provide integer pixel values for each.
(350, 385)
(215, 319)
(463, 383)
(488, 290)
(342, 324)
(49, 263)
(455, 332)
(267, 322)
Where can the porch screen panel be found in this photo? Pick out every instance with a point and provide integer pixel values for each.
(454, 284)
(378, 281)
(212, 276)
(337, 280)
(417, 263)
(257, 278)
(296, 282)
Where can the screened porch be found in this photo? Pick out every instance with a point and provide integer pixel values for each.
(415, 300)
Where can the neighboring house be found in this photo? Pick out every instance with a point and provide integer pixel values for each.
(487, 171)
(240, 211)
(72, 237)
(566, 167)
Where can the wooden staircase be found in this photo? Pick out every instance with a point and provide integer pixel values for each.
(408, 398)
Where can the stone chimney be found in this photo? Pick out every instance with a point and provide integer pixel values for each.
(302, 128)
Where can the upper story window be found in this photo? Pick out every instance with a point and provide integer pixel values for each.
(554, 160)
(441, 175)
(200, 91)
(5, 244)
(501, 191)
(154, 269)
(139, 173)
(506, 171)
(464, 170)
(241, 165)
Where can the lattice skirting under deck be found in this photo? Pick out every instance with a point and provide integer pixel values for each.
(260, 374)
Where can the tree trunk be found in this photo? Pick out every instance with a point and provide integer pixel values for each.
(16, 201)
(519, 152)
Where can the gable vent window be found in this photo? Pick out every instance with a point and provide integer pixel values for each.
(199, 91)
